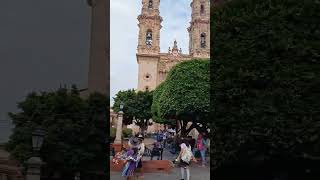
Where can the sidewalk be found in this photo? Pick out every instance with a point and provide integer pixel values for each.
(196, 171)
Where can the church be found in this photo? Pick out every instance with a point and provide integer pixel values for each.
(155, 65)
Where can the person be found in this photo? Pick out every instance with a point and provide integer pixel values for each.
(160, 136)
(141, 150)
(131, 157)
(201, 147)
(184, 159)
(192, 143)
(156, 150)
(164, 139)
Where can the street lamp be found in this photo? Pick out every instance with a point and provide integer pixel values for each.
(37, 139)
(121, 106)
(118, 140)
(35, 162)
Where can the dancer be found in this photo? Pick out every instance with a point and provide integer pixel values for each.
(131, 158)
(141, 150)
(184, 159)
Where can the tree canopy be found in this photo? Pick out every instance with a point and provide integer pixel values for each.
(184, 95)
(137, 106)
(76, 131)
(265, 74)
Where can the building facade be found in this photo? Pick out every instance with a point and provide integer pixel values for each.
(155, 65)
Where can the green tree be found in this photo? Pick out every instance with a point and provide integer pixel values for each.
(265, 77)
(184, 96)
(137, 107)
(155, 107)
(76, 131)
(128, 98)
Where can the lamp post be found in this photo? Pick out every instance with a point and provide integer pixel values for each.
(118, 139)
(35, 162)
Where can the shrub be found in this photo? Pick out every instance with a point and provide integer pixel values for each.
(126, 133)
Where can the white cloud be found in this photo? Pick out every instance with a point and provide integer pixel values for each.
(176, 16)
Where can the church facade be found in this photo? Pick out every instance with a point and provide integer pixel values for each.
(155, 65)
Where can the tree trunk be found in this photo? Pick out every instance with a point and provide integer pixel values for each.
(184, 132)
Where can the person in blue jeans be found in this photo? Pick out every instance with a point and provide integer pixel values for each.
(201, 147)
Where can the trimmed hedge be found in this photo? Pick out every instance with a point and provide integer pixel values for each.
(184, 95)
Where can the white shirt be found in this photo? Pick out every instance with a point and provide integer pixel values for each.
(141, 149)
(165, 136)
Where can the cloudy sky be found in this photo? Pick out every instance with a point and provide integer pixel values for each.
(176, 16)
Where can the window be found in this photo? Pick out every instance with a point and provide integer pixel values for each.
(202, 9)
(149, 38)
(147, 77)
(150, 5)
(147, 88)
(203, 40)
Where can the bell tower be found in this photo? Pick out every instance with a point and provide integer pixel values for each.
(199, 30)
(149, 27)
(148, 49)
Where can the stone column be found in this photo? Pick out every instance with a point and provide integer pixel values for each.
(119, 128)
(34, 168)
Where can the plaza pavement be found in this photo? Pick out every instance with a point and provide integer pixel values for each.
(196, 171)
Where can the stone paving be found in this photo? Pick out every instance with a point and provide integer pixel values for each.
(197, 172)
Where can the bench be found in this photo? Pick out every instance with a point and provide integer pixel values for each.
(151, 166)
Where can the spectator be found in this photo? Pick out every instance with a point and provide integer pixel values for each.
(157, 150)
(164, 139)
(201, 144)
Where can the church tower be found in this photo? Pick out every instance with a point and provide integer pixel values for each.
(148, 44)
(199, 30)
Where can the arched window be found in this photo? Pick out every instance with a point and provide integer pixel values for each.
(202, 9)
(150, 4)
(149, 38)
(203, 40)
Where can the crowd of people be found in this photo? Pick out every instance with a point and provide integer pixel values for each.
(188, 149)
